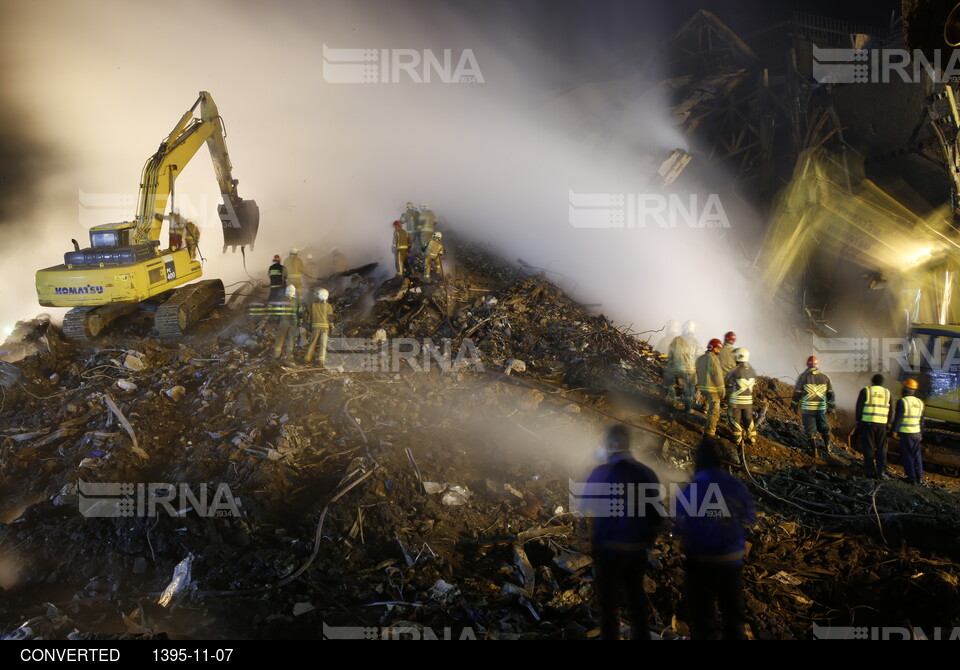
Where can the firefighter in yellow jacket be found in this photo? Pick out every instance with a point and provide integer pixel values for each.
(401, 247)
(433, 255)
(294, 266)
(710, 383)
(321, 315)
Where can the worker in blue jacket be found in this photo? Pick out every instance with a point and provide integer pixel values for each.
(622, 536)
(711, 515)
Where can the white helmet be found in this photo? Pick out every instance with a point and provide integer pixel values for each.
(437, 236)
(294, 251)
(424, 205)
(689, 327)
(673, 327)
(741, 355)
(322, 294)
(410, 205)
(291, 291)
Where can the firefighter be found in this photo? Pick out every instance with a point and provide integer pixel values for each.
(740, 382)
(906, 424)
(433, 255)
(294, 265)
(401, 247)
(672, 331)
(728, 359)
(682, 366)
(411, 221)
(278, 279)
(710, 383)
(289, 310)
(321, 314)
(873, 413)
(812, 397)
(426, 226)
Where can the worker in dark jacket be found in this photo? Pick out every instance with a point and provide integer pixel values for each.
(711, 515)
(621, 540)
(710, 383)
(813, 396)
(278, 279)
(906, 424)
(873, 421)
(740, 383)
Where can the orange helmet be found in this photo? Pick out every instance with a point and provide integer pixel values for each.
(911, 384)
(730, 337)
(813, 362)
(276, 258)
(714, 345)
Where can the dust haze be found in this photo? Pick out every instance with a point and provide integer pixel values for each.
(331, 164)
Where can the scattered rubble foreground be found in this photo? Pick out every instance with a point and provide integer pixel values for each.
(431, 503)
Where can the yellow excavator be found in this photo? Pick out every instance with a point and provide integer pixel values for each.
(124, 270)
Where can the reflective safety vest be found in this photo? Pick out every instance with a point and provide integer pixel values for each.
(912, 411)
(876, 406)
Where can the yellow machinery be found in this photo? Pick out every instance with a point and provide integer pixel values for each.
(124, 269)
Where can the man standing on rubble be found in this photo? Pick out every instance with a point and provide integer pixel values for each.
(290, 312)
(278, 279)
(411, 221)
(294, 265)
(740, 382)
(906, 424)
(401, 247)
(620, 541)
(873, 421)
(681, 366)
(321, 314)
(433, 256)
(710, 383)
(813, 396)
(426, 226)
(711, 516)
(672, 331)
(727, 358)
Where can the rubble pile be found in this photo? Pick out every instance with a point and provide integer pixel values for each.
(430, 502)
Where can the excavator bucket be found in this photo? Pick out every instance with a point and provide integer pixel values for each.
(241, 220)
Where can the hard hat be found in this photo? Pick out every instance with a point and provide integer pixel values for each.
(741, 355)
(673, 327)
(322, 294)
(424, 206)
(410, 205)
(813, 362)
(730, 337)
(397, 224)
(291, 291)
(911, 384)
(714, 345)
(276, 258)
(294, 251)
(689, 327)
(437, 236)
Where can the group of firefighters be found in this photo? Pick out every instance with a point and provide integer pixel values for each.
(415, 240)
(416, 246)
(724, 371)
(287, 306)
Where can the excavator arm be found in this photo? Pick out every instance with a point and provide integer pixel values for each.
(240, 218)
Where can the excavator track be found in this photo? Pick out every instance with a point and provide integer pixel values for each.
(187, 306)
(75, 324)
